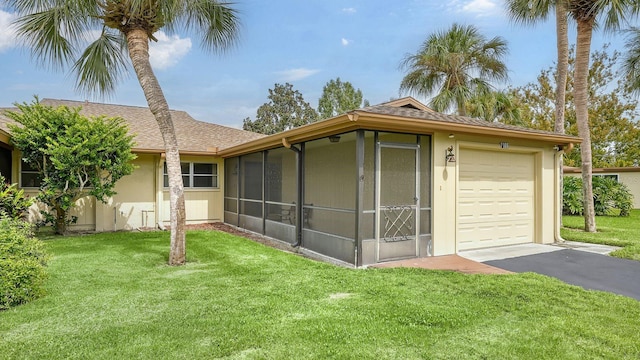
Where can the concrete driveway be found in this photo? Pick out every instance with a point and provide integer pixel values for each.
(585, 265)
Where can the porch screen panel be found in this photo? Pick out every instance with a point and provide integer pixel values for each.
(368, 218)
(231, 185)
(426, 243)
(330, 186)
(251, 185)
(280, 186)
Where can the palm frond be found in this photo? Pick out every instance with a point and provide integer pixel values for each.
(631, 61)
(217, 21)
(53, 30)
(43, 34)
(451, 64)
(529, 12)
(102, 65)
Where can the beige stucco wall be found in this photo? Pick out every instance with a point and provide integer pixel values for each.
(444, 197)
(632, 180)
(134, 204)
(445, 183)
(201, 205)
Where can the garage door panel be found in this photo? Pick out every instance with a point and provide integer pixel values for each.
(501, 233)
(474, 210)
(495, 199)
(489, 188)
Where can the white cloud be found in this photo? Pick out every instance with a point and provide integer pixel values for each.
(7, 32)
(480, 6)
(349, 10)
(345, 42)
(477, 8)
(296, 74)
(168, 51)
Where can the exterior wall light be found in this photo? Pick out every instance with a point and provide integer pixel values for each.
(449, 155)
(504, 145)
(334, 138)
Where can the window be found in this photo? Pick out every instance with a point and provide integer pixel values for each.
(30, 177)
(609, 176)
(196, 175)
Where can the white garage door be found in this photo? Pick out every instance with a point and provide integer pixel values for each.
(495, 198)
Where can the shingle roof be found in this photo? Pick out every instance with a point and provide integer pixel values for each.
(404, 115)
(193, 135)
(411, 113)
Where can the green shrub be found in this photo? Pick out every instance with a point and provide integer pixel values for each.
(608, 195)
(602, 187)
(623, 199)
(22, 263)
(13, 202)
(572, 196)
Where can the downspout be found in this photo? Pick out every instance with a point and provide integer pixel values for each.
(299, 186)
(558, 189)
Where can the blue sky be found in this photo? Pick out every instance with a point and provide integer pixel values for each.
(306, 43)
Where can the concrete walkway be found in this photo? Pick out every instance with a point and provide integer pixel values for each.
(446, 262)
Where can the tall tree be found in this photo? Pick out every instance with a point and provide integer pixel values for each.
(531, 12)
(615, 14)
(613, 114)
(285, 110)
(77, 156)
(454, 66)
(495, 106)
(56, 33)
(338, 98)
(631, 65)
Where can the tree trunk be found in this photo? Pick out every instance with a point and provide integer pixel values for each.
(563, 63)
(61, 221)
(138, 44)
(581, 94)
(562, 45)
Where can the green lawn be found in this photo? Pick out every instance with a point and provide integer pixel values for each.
(612, 230)
(111, 296)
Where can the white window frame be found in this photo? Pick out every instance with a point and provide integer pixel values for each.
(23, 171)
(616, 177)
(191, 175)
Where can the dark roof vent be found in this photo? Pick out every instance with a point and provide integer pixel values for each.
(410, 106)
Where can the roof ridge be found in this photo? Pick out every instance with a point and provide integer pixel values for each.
(429, 115)
(81, 102)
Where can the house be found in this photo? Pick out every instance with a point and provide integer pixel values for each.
(630, 176)
(143, 198)
(385, 182)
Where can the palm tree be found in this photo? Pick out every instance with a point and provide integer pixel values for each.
(495, 106)
(455, 65)
(57, 31)
(631, 65)
(615, 14)
(530, 12)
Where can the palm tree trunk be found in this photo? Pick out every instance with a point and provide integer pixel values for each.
(138, 43)
(581, 87)
(562, 44)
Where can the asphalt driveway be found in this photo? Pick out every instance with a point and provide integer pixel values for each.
(588, 270)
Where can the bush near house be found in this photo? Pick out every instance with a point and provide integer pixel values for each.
(13, 202)
(76, 155)
(608, 196)
(22, 263)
